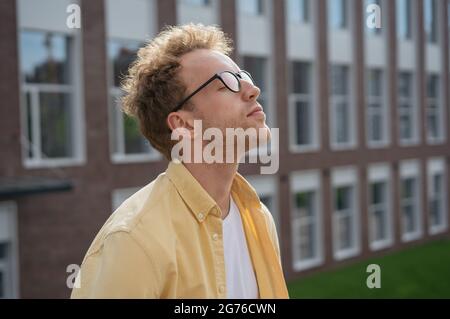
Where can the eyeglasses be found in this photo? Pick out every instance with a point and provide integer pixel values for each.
(231, 80)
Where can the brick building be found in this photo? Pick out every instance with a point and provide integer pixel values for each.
(363, 116)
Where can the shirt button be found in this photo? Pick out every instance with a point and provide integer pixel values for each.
(215, 237)
(200, 216)
(222, 289)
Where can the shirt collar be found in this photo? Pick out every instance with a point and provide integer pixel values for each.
(198, 199)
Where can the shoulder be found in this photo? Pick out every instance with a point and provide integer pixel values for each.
(141, 217)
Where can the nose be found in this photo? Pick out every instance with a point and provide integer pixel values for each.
(250, 92)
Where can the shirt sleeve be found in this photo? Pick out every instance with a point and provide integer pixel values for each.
(272, 230)
(120, 269)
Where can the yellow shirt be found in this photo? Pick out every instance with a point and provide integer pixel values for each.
(165, 241)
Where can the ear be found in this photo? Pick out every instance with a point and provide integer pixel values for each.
(181, 119)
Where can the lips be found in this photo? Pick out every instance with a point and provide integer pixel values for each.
(255, 110)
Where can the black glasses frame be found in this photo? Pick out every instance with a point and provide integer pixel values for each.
(237, 75)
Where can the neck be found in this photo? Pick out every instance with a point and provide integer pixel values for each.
(216, 179)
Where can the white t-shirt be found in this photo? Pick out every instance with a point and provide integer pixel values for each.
(241, 279)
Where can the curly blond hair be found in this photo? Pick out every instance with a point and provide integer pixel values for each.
(152, 87)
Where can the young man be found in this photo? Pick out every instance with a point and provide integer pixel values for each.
(198, 230)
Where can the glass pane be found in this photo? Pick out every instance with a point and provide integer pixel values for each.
(29, 127)
(342, 123)
(378, 191)
(409, 221)
(307, 241)
(298, 10)
(305, 204)
(375, 127)
(2, 285)
(438, 184)
(408, 188)
(435, 212)
(344, 231)
(339, 79)
(44, 57)
(405, 126)
(303, 123)
(432, 125)
(337, 14)
(121, 54)
(256, 66)
(196, 2)
(430, 19)
(405, 84)
(343, 198)
(403, 17)
(301, 77)
(433, 86)
(134, 141)
(374, 83)
(56, 125)
(3, 251)
(378, 224)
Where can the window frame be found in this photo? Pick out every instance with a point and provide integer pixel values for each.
(346, 177)
(411, 169)
(9, 235)
(437, 166)
(76, 108)
(412, 100)
(334, 100)
(384, 110)
(309, 98)
(117, 134)
(438, 109)
(300, 182)
(377, 173)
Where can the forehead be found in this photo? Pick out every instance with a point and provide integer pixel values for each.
(199, 65)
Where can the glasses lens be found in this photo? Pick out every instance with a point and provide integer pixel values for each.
(230, 81)
(246, 76)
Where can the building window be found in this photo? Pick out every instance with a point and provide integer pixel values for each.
(409, 201)
(403, 17)
(46, 62)
(8, 247)
(306, 220)
(298, 11)
(434, 109)
(378, 211)
(338, 14)
(345, 216)
(409, 205)
(340, 112)
(380, 219)
(127, 141)
(372, 31)
(197, 2)
(257, 67)
(376, 108)
(437, 199)
(431, 20)
(251, 7)
(407, 111)
(302, 117)
(304, 224)
(266, 188)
